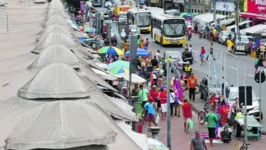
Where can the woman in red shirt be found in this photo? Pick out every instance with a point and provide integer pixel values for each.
(202, 53)
(163, 99)
(154, 94)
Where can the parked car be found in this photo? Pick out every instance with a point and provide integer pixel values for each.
(215, 86)
(224, 36)
(251, 110)
(241, 44)
(108, 4)
(176, 56)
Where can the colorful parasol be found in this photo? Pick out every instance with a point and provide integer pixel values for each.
(140, 52)
(156, 145)
(119, 70)
(119, 63)
(91, 15)
(111, 51)
(89, 30)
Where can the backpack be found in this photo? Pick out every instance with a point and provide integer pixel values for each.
(226, 135)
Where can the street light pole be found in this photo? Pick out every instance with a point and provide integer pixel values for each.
(214, 11)
(237, 17)
(168, 107)
(137, 21)
(260, 95)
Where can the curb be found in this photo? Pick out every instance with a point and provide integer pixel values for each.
(197, 110)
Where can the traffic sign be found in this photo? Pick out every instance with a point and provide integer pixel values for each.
(257, 77)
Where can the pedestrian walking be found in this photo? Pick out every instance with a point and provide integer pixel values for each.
(198, 142)
(230, 45)
(158, 55)
(154, 62)
(187, 114)
(202, 54)
(143, 94)
(150, 113)
(163, 99)
(174, 105)
(172, 102)
(211, 51)
(212, 120)
(192, 85)
(190, 48)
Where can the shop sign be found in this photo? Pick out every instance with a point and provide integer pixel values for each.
(224, 6)
(178, 1)
(257, 6)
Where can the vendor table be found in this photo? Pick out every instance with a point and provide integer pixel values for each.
(251, 123)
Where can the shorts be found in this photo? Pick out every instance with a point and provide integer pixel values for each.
(201, 55)
(186, 120)
(212, 133)
(229, 49)
(150, 118)
(164, 107)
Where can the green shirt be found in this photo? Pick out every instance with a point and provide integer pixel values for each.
(212, 120)
(143, 94)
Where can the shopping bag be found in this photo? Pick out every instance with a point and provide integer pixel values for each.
(191, 124)
(157, 119)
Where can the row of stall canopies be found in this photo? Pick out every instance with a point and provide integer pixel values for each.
(49, 95)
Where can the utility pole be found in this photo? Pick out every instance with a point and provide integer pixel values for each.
(237, 17)
(168, 107)
(110, 38)
(214, 11)
(137, 21)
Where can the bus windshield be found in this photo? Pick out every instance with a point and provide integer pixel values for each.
(174, 27)
(144, 19)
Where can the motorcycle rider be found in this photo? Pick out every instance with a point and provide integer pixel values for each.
(189, 33)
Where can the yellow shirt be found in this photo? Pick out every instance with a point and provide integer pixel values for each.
(169, 59)
(230, 43)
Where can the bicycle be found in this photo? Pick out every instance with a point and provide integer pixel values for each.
(202, 115)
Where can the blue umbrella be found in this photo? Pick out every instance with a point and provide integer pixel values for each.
(189, 15)
(140, 52)
(82, 40)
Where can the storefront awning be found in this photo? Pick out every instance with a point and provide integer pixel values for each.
(253, 16)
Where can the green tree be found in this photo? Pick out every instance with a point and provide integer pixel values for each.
(241, 5)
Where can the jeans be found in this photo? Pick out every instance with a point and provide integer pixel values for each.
(192, 93)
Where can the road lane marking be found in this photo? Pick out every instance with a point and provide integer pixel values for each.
(233, 67)
(251, 75)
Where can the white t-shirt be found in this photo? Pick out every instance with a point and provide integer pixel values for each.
(158, 56)
(190, 49)
(172, 96)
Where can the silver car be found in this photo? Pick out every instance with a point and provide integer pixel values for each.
(224, 35)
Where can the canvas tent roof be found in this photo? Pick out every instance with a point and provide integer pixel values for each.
(56, 20)
(56, 81)
(55, 39)
(56, 29)
(255, 29)
(135, 78)
(54, 125)
(55, 54)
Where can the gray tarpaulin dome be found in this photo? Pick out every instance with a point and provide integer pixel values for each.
(56, 29)
(63, 124)
(56, 20)
(55, 39)
(55, 54)
(57, 81)
(90, 147)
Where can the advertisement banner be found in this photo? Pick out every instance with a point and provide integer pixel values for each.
(82, 10)
(257, 6)
(224, 6)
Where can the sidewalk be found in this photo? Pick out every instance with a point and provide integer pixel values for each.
(181, 140)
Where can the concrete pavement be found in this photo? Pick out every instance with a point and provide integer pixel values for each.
(245, 64)
(181, 140)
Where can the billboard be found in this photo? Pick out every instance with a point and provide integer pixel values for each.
(256, 6)
(224, 6)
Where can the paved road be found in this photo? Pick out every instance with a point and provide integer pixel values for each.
(245, 64)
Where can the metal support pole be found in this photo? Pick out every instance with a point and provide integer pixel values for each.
(237, 66)
(224, 73)
(221, 71)
(209, 74)
(7, 22)
(237, 17)
(168, 107)
(137, 21)
(245, 121)
(110, 38)
(134, 101)
(260, 96)
(214, 11)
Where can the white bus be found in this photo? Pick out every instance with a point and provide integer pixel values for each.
(168, 29)
(144, 22)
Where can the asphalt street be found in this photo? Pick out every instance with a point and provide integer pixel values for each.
(241, 75)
